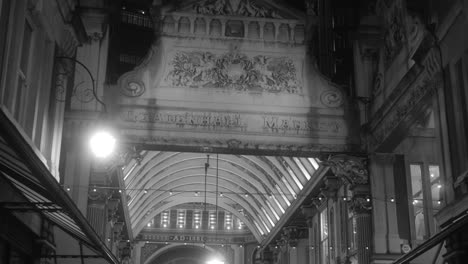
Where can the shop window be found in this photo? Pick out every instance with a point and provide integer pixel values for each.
(22, 84)
(324, 247)
(426, 187)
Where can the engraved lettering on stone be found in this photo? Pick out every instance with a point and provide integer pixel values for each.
(232, 122)
(300, 126)
(185, 119)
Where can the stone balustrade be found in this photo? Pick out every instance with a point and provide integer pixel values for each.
(251, 28)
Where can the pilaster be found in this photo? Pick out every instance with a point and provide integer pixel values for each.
(310, 211)
(239, 254)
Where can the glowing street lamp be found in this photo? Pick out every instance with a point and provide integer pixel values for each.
(102, 144)
(215, 261)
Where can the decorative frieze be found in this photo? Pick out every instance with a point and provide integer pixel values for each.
(233, 71)
(394, 22)
(401, 110)
(248, 8)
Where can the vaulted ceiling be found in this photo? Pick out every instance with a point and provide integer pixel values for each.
(258, 190)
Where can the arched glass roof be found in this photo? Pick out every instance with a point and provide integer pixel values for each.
(256, 189)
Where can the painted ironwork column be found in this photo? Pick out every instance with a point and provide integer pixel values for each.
(361, 207)
(354, 173)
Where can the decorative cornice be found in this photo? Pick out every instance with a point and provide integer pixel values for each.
(234, 145)
(309, 211)
(352, 170)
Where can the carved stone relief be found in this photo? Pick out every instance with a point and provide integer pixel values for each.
(332, 98)
(352, 170)
(400, 111)
(233, 71)
(248, 8)
(394, 22)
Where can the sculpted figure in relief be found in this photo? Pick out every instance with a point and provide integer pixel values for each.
(233, 71)
(234, 7)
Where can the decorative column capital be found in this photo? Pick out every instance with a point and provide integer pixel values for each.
(117, 229)
(98, 195)
(351, 169)
(360, 205)
(291, 235)
(361, 202)
(332, 184)
(112, 208)
(309, 211)
(319, 201)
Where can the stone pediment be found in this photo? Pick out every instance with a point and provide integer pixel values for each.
(238, 8)
(200, 87)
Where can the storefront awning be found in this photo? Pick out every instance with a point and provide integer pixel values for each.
(20, 165)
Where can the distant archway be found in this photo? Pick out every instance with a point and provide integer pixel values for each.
(181, 254)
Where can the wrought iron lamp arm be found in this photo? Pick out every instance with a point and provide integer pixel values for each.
(104, 107)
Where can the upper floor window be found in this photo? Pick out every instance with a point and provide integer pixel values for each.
(425, 198)
(23, 70)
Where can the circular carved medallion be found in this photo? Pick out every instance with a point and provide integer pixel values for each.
(331, 98)
(133, 89)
